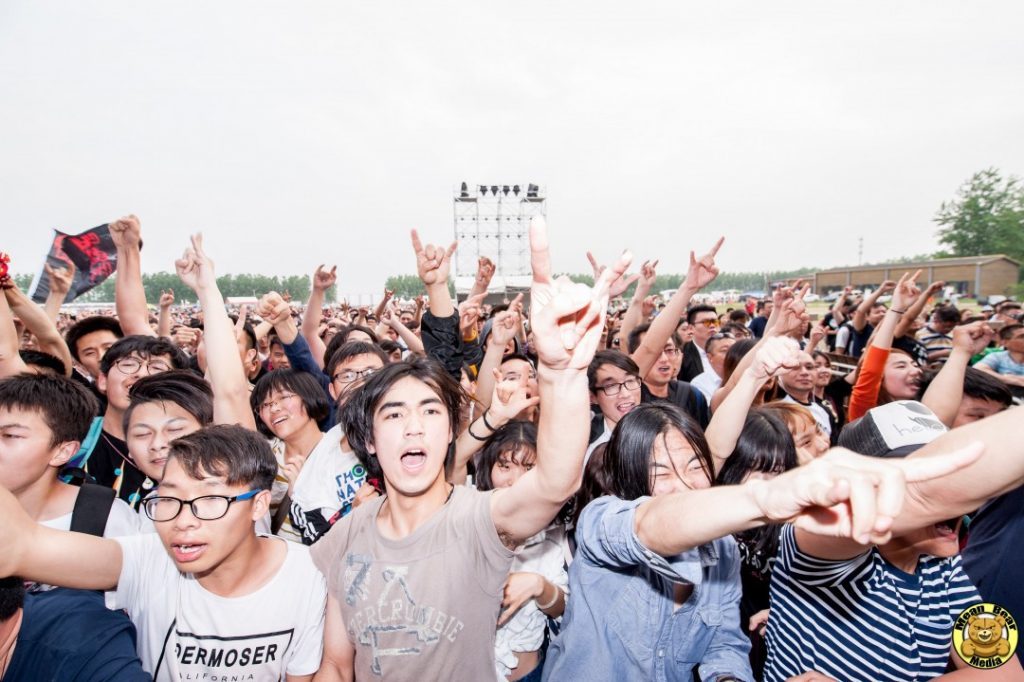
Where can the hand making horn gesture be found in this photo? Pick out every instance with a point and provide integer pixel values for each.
(566, 317)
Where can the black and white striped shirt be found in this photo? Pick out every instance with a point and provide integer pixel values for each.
(862, 618)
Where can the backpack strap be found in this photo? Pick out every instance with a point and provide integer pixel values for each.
(81, 458)
(92, 509)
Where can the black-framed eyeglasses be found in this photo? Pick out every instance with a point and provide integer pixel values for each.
(350, 375)
(205, 508)
(630, 384)
(131, 365)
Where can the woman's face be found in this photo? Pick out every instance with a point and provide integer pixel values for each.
(283, 413)
(811, 442)
(675, 466)
(822, 373)
(902, 377)
(510, 466)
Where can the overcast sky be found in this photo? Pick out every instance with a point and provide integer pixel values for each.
(293, 133)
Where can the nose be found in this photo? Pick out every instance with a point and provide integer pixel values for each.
(186, 520)
(413, 424)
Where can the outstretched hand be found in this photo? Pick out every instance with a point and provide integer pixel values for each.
(843, 494)
(126, 232)
(973, 337)
(617, 285)
(905, 292)
(567, 318)
(61, 277)
(324, 279)
(775, 356)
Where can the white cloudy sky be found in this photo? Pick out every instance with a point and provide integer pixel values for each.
(294, 133)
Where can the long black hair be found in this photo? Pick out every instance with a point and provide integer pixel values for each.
(627, 459)
(517, 439)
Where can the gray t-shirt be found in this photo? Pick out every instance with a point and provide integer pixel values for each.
(424, 607)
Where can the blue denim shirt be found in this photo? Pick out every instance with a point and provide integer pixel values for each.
(620, 623)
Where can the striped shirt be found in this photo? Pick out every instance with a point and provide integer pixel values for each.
(862, 618)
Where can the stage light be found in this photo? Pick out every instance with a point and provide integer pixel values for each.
(483, 189)
(464, 193)
(494, 190)
(531, 191)
(515, 190)
(504, 190)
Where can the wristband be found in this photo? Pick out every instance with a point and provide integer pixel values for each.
(898, 312)
(545, 607)
(469, 430)
(487, 423)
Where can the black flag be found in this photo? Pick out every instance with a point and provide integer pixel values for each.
(93, 254)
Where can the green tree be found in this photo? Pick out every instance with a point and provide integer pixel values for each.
(986, 217)
(405, 286)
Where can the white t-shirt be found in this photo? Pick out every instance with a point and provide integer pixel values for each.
(122, 521)
(188, 633)
(324, 489)
(707, 382)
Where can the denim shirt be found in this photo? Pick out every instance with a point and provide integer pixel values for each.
(620, 622)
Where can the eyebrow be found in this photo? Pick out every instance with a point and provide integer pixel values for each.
(398, 403)
(13, 425)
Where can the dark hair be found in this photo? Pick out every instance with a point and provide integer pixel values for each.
(947, 314)
(691, 313)
(274, 340)
(823, 355)
(736, 329)
(241, 456)
(301, 384)
(595, 483)
(734, 356)
(88, 325)
(12, 597)
(517, 356)
(765, 445)
(182, 387)
(351, 349)
(66, 406)
(518, 438)
(358, 413)
(38, 358)
(1007, 332)
(341, 338)
(634, 336)
(145, 346)
(250, 333)
(610, 357)
(628, 456)
(389, 347)
(977, 384)
(739, 316)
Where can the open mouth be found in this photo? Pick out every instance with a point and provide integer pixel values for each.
(279, 420)
(413, 460)
(186, 553)
(948, 529)
(624, 408)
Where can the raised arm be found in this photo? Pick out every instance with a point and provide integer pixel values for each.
(839, 496)
(129, 294)
(61, 279)
(860, 316)
(388, 295)
(915, 308)
(163, 325)
(322, 281)
(223, 363)
(774, 356)
(946, 390)
(10, 342)
(39, 323)
(567, 320)
(701, 273)
(635, 312)
(55, 557)
(837, 308)
(503, 330)
(484, 274)
(412, 342)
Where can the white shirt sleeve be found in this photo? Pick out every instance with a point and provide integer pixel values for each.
(309, 642)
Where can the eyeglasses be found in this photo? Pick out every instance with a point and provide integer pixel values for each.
(205, 508)
(721, 335)
(270, 404)
(131, 365)
(710, 324)
(671, 352)
(350, 375)
(630, 384)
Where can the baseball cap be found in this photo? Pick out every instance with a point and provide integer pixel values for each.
(895, 429)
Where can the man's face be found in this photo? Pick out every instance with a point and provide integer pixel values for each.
(719, 349)
(123, 374)
(198, 546)
(876, 314)
(675, 466)
(91, 349)
(615, 407)
(407, 318)
(152, 428)
(1015, 343)
(663, 370)
(767, 309)
(705, 324)
(975, 409)
(801, 377)
(278, 358)
(351, 373)
(520, 370)
(411, 434)
(26, 455)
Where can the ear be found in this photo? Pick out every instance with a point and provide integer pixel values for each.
(63, 453)
(332, 391)
(593, 398)
(260, 505)
(251, 356)
(101, 383)
(371, 448)
(972, 620)
(1001, 621)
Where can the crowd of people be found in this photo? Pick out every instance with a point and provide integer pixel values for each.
(569, 486)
